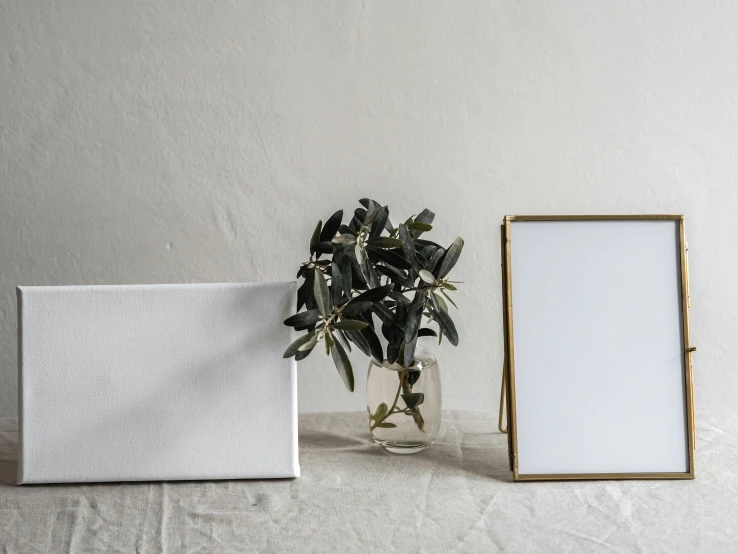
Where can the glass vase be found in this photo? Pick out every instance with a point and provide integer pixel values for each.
(404, 405)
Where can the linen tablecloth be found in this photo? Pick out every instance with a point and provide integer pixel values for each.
(457, 496)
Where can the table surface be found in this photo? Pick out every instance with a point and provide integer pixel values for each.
(352, 496)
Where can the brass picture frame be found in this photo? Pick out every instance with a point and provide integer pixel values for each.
(507, 396)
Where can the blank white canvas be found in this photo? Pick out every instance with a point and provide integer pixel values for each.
(598, 353)
(156, 382)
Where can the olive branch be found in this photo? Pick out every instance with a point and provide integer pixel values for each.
(374, 270)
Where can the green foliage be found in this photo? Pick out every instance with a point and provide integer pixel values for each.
(413, 399)
(375, 273)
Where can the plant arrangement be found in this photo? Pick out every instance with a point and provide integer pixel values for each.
(371, 269)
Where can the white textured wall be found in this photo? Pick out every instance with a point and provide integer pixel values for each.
(195, 141)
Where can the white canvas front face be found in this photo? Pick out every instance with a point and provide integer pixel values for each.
(156, 382)
(598, 353)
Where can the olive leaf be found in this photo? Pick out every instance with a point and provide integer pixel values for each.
(316, 235)
(301, 295)
(373, 204)
(360, 253)
(374, 295)
(343, 263)
(426, 216)
(359, 340)
(302, 354)
(393, 351)
(408, 251)
(412, 377)
(322, 248)
(444, 322)
(372, 273)
(413, 399)
(384, 242)
(369, 204)
(341, 337)
(426, 252)
(308, 294)
(395, 275)
(388, 256)
(350, 325)
(441, 301)
(309, 344)
(414, 315)
(329, 342)
(343, 365)
(331, 226)
(322, 295)
(408, 351)
(336, 283)
(387, 315)
(450, 258)
(294, 347)
(399, 297)
(345, 238)
(381, 411)
(371, 215)
(378, 225)
(357, 307)
(375, 346)
(360, 215)
(422, 227)
(303, 318)
(426, 276)
(443, 292)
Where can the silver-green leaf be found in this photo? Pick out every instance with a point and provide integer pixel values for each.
(343, 365)
(354, 308)
(322, 294)
(346, 238)
(423, 227)
(384, 242)
(293, 348)
(309, 345)
(427, 276)
(315, 239)
(413, 399)
(451, 257)
(381, 411)
(360, 254)
(350, 325)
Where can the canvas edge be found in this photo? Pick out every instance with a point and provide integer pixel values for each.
(295, 468)
(19, 306)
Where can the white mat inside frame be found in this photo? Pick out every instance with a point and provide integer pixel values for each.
(599, 363)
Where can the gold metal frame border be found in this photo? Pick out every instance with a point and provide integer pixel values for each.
(508, 375)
